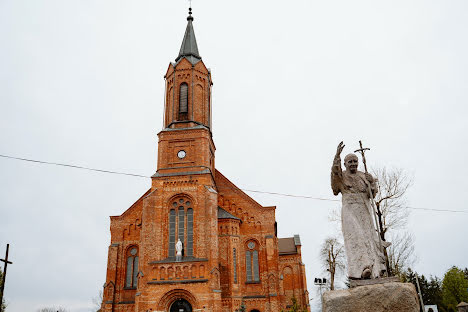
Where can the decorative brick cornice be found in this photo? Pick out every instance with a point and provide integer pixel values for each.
(173, 260)
(173, 282)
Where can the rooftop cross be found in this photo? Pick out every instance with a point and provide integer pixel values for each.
(189, 48)
(190, 18)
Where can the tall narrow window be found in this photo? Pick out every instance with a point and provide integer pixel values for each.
(128, 278)
(183, 98)
(181, 226)
(135, 271)
(189, 232)
(248, 265)
(256, 274)
(251, 263)
(172, 232)
(132, 268)
(234, 263)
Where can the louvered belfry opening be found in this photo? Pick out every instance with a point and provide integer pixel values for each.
(183, 101)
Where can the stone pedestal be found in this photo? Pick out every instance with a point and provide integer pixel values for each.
(389, 297)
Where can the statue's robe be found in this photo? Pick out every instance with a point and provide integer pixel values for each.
(361, 240)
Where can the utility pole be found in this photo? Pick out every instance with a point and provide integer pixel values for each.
(419, 291)
(4, 272)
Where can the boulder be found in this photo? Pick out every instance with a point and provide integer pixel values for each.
(389, 297)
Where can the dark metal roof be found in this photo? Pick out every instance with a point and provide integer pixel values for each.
(286, 246)
(223, 214)
(189, 48)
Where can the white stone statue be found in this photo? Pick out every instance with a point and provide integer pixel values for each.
(362, 244)
(178, 247)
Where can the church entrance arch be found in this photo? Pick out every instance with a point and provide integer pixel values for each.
(181, 305)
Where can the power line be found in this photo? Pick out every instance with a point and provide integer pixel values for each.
(337, 200)
(245, 190)
(291, 195)
(74, 166)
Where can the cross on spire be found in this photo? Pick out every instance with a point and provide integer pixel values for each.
(189, 48)
(190, 10)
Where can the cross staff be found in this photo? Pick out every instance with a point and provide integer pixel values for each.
(362, 150)
(373, 208)
(4, 272)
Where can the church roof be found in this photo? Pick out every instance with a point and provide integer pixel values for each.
(189, 48)
(223, 214)
(287, 246)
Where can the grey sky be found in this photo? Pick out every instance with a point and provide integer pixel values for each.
(81, 82)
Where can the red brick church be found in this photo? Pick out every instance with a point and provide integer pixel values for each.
(229, 253)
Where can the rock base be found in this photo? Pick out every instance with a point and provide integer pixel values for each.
(383, 280)
(387, 297)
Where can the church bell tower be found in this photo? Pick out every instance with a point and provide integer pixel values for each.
(185, 143)
(179, 257)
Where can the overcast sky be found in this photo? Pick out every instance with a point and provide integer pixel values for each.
(81, 82)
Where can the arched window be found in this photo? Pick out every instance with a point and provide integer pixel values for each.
(234, 262)
(132, 268)
(251, 262)
(181, 226)
(183, 100)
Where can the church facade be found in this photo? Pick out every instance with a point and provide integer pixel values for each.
(228, 253)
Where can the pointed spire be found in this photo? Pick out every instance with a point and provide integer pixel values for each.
(189, 48)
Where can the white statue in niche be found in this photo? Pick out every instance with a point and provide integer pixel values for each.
(178, 247)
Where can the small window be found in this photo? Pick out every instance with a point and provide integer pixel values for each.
(234, 262)
(132, 268)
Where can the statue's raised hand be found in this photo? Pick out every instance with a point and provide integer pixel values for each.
(340, 148)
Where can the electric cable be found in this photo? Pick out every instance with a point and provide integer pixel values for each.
(245, 190)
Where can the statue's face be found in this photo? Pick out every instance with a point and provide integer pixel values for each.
(351, 163)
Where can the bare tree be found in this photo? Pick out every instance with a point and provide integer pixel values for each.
(401, 253)
(332, 257)
(392, 213)
(97, 301)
